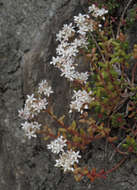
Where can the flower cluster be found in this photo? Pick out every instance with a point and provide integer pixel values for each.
(66, 159)
(95, 11)
(57, 145)
(83, 24)
(30, 128)
(69, 47)
(28, 111)
(44, 88)
(72, 38)
(66, 33)
(81, 98)
(33, 106)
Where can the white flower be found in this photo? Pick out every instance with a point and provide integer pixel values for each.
(30, 99)
(80, 97)
(66, 32)
(80, 19)
(67, 159)
(62, 47)
(102, 11)
(31, 134)
(67, 51)
(27, 113)
(44, 88)
(83, 24)
(68, 71)
(81, 76)
(24, 113)
(82, 30)
(85, 28)
(39, 105)
(57, 145)
(33, 106)
(96, 11)
(80, 42)
(30, 128)
(56, 60)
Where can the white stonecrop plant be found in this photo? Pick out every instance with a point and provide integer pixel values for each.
(33, 106)
(72, 38)
(66, 158)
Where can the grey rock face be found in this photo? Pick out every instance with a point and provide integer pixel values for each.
(27, 43)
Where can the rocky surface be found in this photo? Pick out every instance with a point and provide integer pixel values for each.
(27, 43)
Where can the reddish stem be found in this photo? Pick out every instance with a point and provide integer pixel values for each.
(102, 174)
(117, 149)
(48, 133)
(73, 132)
(116, 166)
